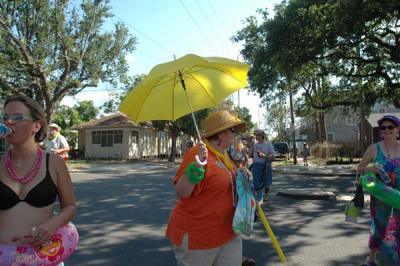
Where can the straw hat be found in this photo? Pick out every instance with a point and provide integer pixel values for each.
(54, 125)
(220, 121)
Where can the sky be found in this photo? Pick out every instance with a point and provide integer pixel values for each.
(168, 28)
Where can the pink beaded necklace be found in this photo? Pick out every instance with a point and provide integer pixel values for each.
(31, 174)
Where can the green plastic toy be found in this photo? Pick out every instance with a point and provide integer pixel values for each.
(374, 186)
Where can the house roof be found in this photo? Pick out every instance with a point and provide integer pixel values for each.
(117, 119)
(373, 118)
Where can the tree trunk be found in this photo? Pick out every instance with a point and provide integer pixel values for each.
(362, 115)
(172, 156)
(292, 124)
(321, 124)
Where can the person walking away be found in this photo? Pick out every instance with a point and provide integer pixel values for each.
(306, 153)
(384, 154)
(200, 225)
(263, 155)
(238, 154)
(56, 143)
(30, 183)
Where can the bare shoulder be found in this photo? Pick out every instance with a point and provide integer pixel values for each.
(374, 147)
(371, 151)
(57, 166)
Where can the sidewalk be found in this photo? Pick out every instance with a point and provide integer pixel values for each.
(118, 166)
(335, 177)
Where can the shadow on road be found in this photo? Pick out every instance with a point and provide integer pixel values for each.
(121, 219)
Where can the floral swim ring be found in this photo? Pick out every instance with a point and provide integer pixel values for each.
(54, 251)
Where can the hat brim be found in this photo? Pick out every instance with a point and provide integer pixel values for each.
(238, 124)
(380, 121)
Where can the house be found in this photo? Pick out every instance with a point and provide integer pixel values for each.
(345, 128)
(340, 128)
(117, 136)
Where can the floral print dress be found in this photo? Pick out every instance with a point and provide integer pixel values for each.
(385, 220)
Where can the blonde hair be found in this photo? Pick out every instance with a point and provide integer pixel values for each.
(238, 144)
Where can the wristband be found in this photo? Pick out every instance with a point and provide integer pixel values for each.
(195, 174)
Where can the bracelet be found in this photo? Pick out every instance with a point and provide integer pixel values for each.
(194, 173)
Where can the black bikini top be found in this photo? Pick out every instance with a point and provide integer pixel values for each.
(41, 195)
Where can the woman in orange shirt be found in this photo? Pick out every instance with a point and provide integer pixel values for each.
(200, 225)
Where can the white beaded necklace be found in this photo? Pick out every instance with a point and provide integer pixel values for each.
(232, 181)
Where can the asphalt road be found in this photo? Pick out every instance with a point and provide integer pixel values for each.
(122, 217)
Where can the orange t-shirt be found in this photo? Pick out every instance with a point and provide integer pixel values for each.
(206, 216)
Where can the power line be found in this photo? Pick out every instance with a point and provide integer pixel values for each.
(215, 13)
(147, 37)
(197, 25)
(216, 35)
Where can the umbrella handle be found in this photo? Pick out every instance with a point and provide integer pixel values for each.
(199, 162)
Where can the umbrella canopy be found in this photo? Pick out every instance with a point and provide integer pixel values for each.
(179, 87)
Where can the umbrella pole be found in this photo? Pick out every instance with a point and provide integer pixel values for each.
(198, 160)
(190, 105)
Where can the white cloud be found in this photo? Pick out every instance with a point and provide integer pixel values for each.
(97, 96)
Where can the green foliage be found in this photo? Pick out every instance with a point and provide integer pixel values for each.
(353, 41)
(335, 53)
(86, 110)
(112, 105)
(278, 120)
(51, 49)
(67, 117)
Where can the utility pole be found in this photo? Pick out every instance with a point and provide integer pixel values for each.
(292, 123)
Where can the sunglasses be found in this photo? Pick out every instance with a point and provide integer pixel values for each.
(387, 127)
(15, 117)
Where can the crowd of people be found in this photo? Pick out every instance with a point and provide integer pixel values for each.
(33, 175)
(223, 150)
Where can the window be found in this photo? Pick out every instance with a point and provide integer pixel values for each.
(107, 138)
(351, 121)
(118, 136)
(331, 137)
(135, 137)
(96, 137)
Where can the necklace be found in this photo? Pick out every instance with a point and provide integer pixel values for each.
(232, 181)
(32, 172)
(387, 150)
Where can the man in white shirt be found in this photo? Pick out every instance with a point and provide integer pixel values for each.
(56, 143)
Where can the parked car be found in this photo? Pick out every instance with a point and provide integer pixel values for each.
(281, 149)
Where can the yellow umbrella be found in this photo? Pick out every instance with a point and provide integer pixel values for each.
(182, 86)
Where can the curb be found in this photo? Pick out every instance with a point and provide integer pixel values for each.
(313, 173)
(316, 196)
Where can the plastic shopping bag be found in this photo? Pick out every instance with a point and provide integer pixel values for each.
(243, 218)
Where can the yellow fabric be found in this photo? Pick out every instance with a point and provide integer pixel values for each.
(223, 157)
(54, 136)
(208, 81)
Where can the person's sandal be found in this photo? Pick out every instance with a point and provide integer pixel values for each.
(248, 262)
